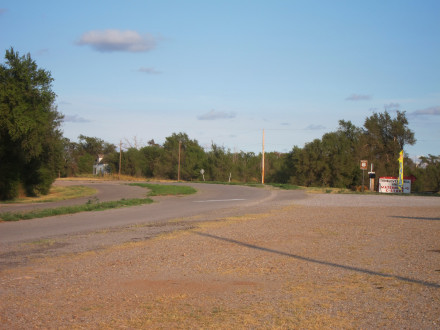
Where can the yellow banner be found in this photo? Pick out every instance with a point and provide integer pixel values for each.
(400, 180)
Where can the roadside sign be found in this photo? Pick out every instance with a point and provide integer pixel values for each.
(364, 164)
(391, 185)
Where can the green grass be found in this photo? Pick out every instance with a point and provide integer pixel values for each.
(165, 190)
(285, 186)
(92, 206)
(95, 205)
(248, 184)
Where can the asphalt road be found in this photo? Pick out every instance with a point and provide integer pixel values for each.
(106, 191)
(209, 201)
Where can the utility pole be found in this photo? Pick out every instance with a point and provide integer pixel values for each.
(120, 159)
(262, 162)
(178, 168)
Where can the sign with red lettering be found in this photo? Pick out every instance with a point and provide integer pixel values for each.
(390, 185)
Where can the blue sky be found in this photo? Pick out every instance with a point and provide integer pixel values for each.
(222, 71)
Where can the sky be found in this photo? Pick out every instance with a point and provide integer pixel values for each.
(224, 71)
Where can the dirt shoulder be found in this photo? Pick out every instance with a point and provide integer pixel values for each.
(322, 262)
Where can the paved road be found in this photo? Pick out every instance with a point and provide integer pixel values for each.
(106, 191)
(209, 201)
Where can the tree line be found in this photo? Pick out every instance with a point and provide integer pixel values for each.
(33, 151)
(332, 161)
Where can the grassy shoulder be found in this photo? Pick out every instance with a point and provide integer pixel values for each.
(56, 194)
(89, 206)
(107, 177)
(165, 190)
(322, 190)
(93, 205)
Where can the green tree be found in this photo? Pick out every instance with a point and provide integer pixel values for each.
(70, 158)
(334, 159)
(274, 162)
(431, 165)
(85, 163)
(192, 158)
(134, 162)
(30, 140)
(79, 157)
(95, 146)
(313, 165)
(248, 167)
(219, 164)
(341, 154)
(152, 154)
(383, 138)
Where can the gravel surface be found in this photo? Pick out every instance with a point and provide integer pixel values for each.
(325, 261)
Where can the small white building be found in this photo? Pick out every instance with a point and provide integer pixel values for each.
(100, 168)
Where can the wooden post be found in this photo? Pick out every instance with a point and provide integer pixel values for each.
(262, 162)
(120, 159)
(178, 169)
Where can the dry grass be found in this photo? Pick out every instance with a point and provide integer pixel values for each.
(58, 193)
(113, 177)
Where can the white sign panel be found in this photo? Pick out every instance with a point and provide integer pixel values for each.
(389, 185)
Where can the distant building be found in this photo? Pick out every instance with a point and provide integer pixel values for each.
(100, 168)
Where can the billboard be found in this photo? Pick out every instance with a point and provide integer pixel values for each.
(390, 185)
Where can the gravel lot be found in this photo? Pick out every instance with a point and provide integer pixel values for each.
(325, 261)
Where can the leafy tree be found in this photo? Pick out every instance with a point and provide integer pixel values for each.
(79, 157)
(313, 165)
(30, 139)
(334, 159)
(152, 154)
(192, 157)
(134, 162)
(248, 167)
(431, 164)
(95, 146)
(85, 163)
(70, 161)
(219, 164)
(274, 165)
(341, 154)
(383, 139)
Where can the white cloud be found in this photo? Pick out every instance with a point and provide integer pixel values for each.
(149, 70)
(43, 51)
(214, 115)
(75, 119)
(116, 40)
(391, 106)
(315, 127)
(358, 97)
(432, 111)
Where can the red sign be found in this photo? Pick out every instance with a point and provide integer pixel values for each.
(389, 185)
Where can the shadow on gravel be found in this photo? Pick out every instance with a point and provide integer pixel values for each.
(415, 218)
(321, 262)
